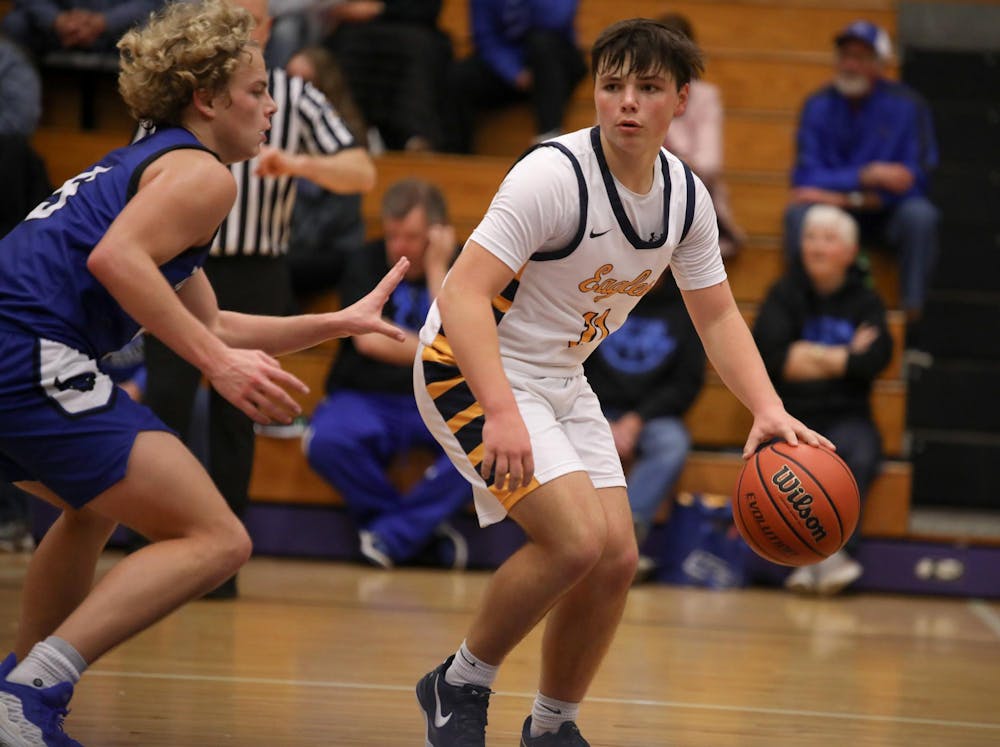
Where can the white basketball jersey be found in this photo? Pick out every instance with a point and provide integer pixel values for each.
(581, 264)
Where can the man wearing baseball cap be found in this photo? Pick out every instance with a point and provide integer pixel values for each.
(866, 144)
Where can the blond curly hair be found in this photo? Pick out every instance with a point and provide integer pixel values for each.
(185, 47)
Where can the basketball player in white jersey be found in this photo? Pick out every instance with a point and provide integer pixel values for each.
(579, 230)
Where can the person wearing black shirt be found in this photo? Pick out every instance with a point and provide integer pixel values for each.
(369, 415)
(822, 334)
(646, 375)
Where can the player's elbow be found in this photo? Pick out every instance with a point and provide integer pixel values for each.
(101, 264)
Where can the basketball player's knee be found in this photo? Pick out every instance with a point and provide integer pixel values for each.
(232, 546)
(90, 522)
(619, 564)
(579, 552)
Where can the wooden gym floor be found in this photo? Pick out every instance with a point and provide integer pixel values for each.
(327, 654)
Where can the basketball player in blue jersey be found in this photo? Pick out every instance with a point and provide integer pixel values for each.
(116, 249)
(555, 266)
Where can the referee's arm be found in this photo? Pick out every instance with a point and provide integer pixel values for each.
(347, 171)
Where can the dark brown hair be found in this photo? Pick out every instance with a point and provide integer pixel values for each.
(646, 47)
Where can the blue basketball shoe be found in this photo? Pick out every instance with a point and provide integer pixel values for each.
(567, 736)
(455, 714)
(32, 717)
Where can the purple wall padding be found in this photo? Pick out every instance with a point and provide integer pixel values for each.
(894, 566)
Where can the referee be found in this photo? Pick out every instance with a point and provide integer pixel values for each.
(247, 265)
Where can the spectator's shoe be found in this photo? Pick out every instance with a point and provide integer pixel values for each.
(803, 580)
(451, 547)
(455, 715)
(15, 536)
(225, 591)
(836, 573)
(644, 569)
(374, 550)
(32, 717)
(295, 429)
(568, 736)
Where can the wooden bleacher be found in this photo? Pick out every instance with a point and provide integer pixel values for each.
(765, 55)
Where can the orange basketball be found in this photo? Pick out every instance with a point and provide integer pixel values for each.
(796, 505)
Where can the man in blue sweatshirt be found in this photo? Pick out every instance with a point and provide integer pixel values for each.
(866, 144)
(523, 50)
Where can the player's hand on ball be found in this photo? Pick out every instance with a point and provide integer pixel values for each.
(777, 423)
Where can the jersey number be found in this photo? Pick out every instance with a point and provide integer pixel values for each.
(595, 328)
(64, 192)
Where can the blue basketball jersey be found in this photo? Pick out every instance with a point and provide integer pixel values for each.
(46, 289)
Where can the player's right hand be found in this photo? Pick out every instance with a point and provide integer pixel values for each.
(507, 451)
(255, 382)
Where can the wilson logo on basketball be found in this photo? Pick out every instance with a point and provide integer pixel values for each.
(791, 488)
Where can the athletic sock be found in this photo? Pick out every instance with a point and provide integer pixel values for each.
(548, 714)
(467, 669)
(49, 662)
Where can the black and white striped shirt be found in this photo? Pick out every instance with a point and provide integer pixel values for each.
(305, 122)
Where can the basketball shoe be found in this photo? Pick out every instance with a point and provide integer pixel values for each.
(455, 714)
(32, 717)
(374, 551)
(568, 736)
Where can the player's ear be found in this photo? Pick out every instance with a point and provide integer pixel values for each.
(682, 99)
(204, 102)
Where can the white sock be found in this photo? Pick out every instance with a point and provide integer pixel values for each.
(467, 669)
(548, 714)
(48, 663)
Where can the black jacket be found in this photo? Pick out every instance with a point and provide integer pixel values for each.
(793, 311)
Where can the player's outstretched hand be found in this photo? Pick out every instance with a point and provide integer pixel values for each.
(779, 424)
(254, 382)
(365, 315)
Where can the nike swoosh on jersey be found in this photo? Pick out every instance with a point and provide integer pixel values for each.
(594, 234)
(440, 720)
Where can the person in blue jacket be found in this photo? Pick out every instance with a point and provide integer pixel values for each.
(116, 249)
(523, 50)
(866, 145)
(88, 25)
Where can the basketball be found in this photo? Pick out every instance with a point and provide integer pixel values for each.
(796, 505)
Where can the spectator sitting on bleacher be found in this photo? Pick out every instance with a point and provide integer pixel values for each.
(523, 50)
(822, 334)
(25, 180)
(25, 184)
(696, 137)
(866, 144)
(21, 94)
(395, 59)
(369, 415)
(43, 26)
(297, 24)
(646, 375)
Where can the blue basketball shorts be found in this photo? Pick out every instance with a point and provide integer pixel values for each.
(62, 421)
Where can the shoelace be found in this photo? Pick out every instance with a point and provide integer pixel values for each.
(569, 736)
(470, 716)
(55, 724)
